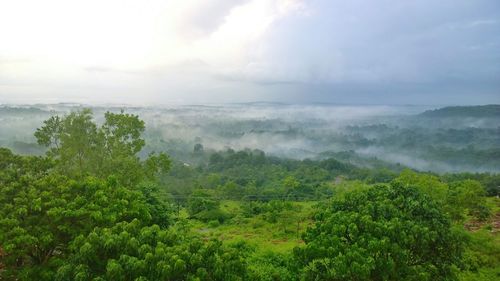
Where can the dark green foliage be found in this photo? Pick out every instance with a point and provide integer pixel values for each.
(480, 111)
(198, 148)
(271, 211)
(204, 206)
(202, 200)
(251, 175)
(383, 233)
(212, 215)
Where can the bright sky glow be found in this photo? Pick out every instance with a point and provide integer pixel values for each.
(153, 51)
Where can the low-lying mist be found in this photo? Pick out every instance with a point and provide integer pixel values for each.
(394, 134)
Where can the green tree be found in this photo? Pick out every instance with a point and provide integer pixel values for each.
(201, 200)
(458, 199)
(41, 212)
(389, 232)
(429, 184)
(467, 197)
(50, 134)
(81, 148)
(72, 140)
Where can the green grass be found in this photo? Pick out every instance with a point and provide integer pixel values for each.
(482, 256)
(483, 249)
(281, 236)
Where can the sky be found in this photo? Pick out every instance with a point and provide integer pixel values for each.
(152, 52)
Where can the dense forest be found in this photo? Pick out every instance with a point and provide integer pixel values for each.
(417, 137)
(104, 194)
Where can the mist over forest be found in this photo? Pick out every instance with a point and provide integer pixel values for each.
(425, 138)
(250, 140)
(249, 192)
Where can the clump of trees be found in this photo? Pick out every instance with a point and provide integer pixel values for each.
(131, 251)
(82, 148)
(203, 205)
(92, 209)
(459, 198)
(387, 232)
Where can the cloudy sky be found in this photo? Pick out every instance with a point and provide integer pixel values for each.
(211, 51)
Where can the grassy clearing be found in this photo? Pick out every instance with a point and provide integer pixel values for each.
(482, 255)
(483, 249)
(280, 236)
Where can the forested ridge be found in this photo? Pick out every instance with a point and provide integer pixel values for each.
(96, 206)
(491, 110)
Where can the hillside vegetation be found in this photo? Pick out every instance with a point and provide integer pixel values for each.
(100, 205)
(479, 111)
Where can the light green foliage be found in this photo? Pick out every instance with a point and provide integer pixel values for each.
(90, 178)
(291, 182)
(459, 198)
(257, 230)
(428, 184)
(129, 251)
(50, 134)
(482, 256)
(40, 218)
(383, 233)
(343, 188)
(82, 148)
(467, 197)
(270, 266)
(230, 190)
(73, 140)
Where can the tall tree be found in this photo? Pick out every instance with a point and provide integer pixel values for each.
(82, 148)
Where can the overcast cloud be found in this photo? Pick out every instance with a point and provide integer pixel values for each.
(159, 52)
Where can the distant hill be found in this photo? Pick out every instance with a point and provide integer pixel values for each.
(21, 110)
(478, 111)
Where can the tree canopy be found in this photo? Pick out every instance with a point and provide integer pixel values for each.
(387, 232)
(83, 148)
(97, 206)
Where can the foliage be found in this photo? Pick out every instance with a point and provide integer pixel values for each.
(373, 234)
(96, 206)
(90, 178)
(201, 200)
(40, 218)
(269, 266)
(482, 256)
(82, 148)
(458, 198)
(128, 251)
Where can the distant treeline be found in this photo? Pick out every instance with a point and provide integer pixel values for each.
(479, 111)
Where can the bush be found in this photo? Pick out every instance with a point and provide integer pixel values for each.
(212, 215)
(214, 223)
(201, 200)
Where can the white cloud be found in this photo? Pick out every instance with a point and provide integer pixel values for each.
(197, 50)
